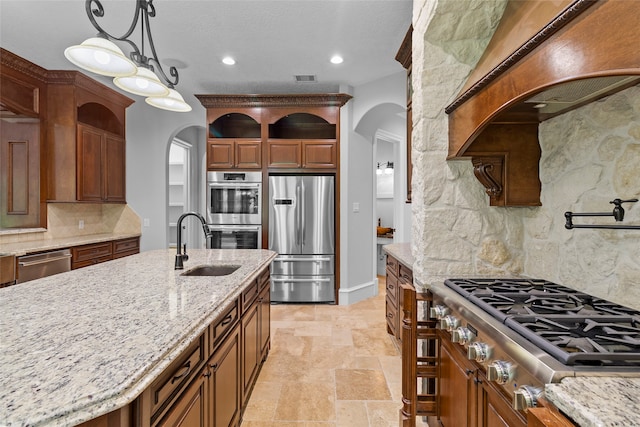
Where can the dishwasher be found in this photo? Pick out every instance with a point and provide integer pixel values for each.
(43, 264)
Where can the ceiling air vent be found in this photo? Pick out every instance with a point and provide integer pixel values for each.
(305, 78)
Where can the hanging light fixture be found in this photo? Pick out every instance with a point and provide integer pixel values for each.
(138, 74)
(389, 169)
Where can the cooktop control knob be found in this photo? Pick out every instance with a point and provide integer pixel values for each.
(449, 323)
(526, 397)
(462, 335)
(438, 312)
(500, 371)
(478, 351)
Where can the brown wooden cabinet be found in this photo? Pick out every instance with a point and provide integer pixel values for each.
(94, 253)
(209, 384)
(397, 275)
(101, 165)
(466, 397)
(191, 409)
(255, 331)
(85, 139)
(302, 154)
(23, 97)
(457, 388)
(225, 384)
(391, 301)
(404, 57)
(225, 154)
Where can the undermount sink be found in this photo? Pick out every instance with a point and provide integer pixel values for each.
(211, 270)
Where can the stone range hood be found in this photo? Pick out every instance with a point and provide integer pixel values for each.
(581, 51)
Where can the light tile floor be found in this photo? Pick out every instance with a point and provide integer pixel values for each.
(329, 365)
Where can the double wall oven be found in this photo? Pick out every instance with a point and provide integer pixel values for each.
(234, 210)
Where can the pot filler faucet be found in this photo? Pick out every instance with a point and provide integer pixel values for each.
(180, 257)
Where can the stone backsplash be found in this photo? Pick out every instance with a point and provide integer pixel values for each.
(63, 221)
(589, 157)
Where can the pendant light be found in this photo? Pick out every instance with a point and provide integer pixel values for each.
(139, 74)
(172, 102)
(143, 83)
(102, 57)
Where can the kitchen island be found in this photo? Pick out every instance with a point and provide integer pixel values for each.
(82, 344)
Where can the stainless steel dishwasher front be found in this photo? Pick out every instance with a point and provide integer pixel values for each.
(44, 264)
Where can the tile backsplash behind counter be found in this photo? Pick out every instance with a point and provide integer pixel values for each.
(63, 220)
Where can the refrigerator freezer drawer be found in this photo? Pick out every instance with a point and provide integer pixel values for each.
(302, 289)
(303, 265)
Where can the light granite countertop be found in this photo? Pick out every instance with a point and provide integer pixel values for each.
(598, 401)
(401, 252)
(23, 248)
(80, 344)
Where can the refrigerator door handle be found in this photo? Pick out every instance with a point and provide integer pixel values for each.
(323, 259)
(319, 279)
(303, 222)
(299, 214)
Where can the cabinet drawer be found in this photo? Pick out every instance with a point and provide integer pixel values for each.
(177, 374)
(92, 251)
(392, 289)
(89, 262)
(393, 265)
(392, 318)
(263, 280)
(405, 275)
(126, 246)
(249, 295)
(223, 325)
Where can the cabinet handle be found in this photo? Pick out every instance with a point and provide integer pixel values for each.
(227, 320)
(389, 315)
(477, 381)
(214, 366)
(187, 369)
(469, 371)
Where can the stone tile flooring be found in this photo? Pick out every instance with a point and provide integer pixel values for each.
(329, 365)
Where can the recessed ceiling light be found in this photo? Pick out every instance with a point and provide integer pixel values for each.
(336, 59)
(228, 60)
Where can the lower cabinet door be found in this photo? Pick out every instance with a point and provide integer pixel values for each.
(250, 349)
(225, 382)
(264, 301)
(190, 410)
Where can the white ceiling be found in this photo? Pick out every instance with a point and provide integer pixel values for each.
(271, 40)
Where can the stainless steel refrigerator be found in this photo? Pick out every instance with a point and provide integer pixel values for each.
(302, 232)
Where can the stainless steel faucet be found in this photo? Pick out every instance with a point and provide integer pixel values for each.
(181, 257)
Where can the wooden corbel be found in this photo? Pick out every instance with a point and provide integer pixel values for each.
(489, 171)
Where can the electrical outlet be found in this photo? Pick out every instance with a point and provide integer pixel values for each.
(81, 224)
(145, 222)
(356, 207)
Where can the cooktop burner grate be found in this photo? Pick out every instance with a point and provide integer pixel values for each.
(574, 327)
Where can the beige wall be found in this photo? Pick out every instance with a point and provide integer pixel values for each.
(587, 160)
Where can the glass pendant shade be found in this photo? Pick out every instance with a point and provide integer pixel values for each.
(143, 83)
(172, 102)
(102, 57)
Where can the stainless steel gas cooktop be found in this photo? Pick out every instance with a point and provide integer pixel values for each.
(574, 327)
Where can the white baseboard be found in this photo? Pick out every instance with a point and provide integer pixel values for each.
(348, 296)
